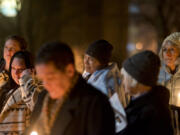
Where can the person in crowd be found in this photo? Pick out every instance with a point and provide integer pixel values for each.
(105, 76)
(12, 44)
(71, 105)
(19, 101)
(170, 73)
(148, 111)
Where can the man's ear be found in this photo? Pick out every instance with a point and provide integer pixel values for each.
(70, 70)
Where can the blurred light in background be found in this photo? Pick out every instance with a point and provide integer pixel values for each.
(133, 8)
(139, 46)
(10, 8)
(130, 47)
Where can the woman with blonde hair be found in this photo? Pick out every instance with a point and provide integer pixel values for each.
(170, 72)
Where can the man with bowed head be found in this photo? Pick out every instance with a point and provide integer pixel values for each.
(71, 107)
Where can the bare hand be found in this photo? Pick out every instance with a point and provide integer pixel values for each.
(27, 72)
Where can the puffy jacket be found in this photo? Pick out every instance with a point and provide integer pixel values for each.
(172, 82)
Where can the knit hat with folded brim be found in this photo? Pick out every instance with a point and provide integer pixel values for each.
(143, 67)
(101, 50)
(174, 38)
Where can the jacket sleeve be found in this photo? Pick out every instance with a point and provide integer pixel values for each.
(30, 88)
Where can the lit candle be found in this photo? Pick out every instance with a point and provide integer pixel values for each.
(34, 133)
(178, 100)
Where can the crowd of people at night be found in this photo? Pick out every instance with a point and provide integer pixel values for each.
(46, 95)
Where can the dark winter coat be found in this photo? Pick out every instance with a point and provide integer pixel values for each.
(149, 114)
(86, 111)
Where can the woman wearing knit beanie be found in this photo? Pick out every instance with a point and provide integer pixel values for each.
(105, 76)
(170, 72)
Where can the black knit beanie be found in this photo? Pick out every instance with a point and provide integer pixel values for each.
(101, 50)
(144, 67)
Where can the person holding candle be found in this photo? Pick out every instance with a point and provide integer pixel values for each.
(170, 72)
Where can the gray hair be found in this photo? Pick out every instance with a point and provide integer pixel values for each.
(133, 82)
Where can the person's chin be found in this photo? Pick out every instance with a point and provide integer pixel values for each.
(53, 95)
(169, 63)
(8, 57)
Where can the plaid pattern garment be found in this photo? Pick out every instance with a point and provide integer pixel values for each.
(16, 112)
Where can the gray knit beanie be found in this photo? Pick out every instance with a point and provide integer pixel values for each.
(143, 67)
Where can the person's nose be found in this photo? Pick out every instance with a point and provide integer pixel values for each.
(86, 60)
(168, 53)
(17, 72)
(46, 84)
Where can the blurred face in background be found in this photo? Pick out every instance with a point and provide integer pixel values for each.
(91, 64)
(10, 47)
(17, 67)
(170, 54)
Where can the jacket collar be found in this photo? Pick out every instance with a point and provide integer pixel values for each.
(166, 69)
(68, 111)
(158, 94)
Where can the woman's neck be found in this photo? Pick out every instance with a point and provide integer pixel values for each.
(172, 69)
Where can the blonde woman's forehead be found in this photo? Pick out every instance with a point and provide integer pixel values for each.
(170, 43)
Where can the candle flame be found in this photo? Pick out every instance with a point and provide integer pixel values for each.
(34, 133)
(179, 94)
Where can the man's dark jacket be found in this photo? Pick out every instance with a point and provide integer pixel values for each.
(86, 111)
(149, 114)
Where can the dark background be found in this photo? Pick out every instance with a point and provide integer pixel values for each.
(135, 24)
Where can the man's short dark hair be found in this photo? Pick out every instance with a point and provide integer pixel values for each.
(60, 54)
